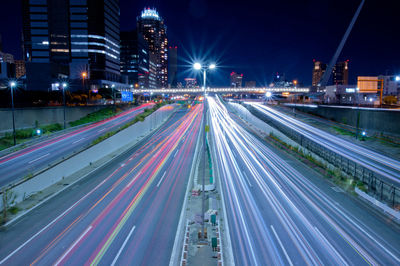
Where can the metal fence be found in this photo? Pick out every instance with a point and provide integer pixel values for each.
(375, 184)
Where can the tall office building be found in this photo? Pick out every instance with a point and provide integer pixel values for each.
(318, 72)
(66, 38)
(173, 66)
(341, 73)
(135, 59)
(236, 80)
(154, 31)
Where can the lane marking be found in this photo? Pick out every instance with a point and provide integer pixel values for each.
(78, 140)
(123, 246)
(342, 261)
(159, 182)
(101, 130)
(247, 179)
(41, 157)
(73, 245)
(282, 247)
(176, 153)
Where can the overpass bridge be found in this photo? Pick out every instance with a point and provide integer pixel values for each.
(221, 90)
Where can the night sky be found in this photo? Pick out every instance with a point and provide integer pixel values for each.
(259, 38)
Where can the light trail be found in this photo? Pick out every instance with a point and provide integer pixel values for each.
(125, 189)
(383, 165)
(283, 203)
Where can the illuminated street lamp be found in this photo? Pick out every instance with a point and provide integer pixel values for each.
(397, 78)
(64, 87)
(198, 66)
(12, 85)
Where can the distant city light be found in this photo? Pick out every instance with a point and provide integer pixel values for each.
(150, 13)
(197, 66)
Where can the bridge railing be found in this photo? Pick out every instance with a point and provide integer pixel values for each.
(222, 90)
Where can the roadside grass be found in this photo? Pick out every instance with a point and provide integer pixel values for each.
(140, 117)
(335, 174)
(96, 116)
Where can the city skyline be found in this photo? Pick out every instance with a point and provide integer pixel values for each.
(268, 46)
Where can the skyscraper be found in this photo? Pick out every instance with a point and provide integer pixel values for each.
(318, 72)
(65, 38)
(236, 80)
(154, 31)
(341, 73)
(173, 66)
(135, 59)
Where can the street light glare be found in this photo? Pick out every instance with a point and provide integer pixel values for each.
(212, 66)
(197, 66)
(64, 85)
(397, 78)
(268, 94)
(13, 84)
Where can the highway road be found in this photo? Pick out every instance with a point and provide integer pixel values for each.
(385, 166)
(281, 213)
(126, 213)
(17, 165)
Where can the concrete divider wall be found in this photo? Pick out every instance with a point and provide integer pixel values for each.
(387, 121)
(26, 117)
(117, 143)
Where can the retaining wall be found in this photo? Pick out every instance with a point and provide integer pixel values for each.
(117, 143)
(27, 117)
(372, 119)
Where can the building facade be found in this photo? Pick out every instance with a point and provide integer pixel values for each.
(340, 73)
(236, 80)
(173, 66)
(135, 59)
(154, 31)
(20, 70)
(190, 83)
(318, 71)
(250, 84)
(71, 39)
(391, 85)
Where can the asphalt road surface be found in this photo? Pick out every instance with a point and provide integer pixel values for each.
(126, 213)
(281, 215)
(17, 165)
(387, 167)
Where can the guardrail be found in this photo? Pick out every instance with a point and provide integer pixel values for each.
(376, 186)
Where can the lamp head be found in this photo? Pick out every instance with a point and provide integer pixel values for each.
(197, 66)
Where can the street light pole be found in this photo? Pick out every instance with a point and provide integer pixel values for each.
(12, 86)
(204, 154)
(198, 66)
(64, 85)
